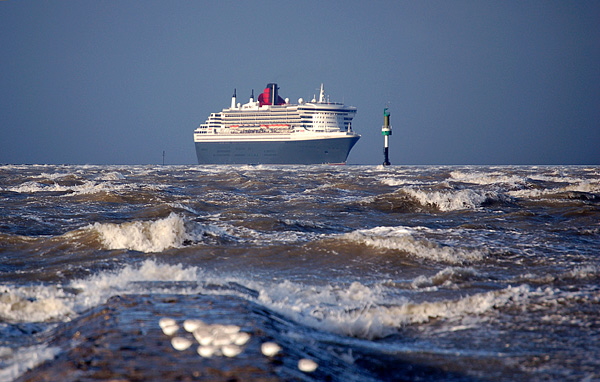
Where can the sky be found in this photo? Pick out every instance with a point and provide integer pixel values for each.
(467, 82)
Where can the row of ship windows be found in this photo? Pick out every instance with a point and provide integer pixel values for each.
(304, 125)
(254, 115)
(271, 115)
(281, 118)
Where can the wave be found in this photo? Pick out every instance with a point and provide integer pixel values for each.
(112, 175)
(357, 310)
(394, 181)
(411, 241)
(450, 277)
(24, 359)
(477, 304)
(49, 303)
(157, 235)
(487, 178)
(413, 199)
(582, 189)
(173, 231)
(585, 273)
(34, 303)
(77, 187)
(369, 312)
(454, 200)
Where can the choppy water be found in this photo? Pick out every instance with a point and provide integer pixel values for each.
(400, 273)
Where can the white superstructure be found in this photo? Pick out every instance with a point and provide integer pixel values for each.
(272, 130)
(255, 121)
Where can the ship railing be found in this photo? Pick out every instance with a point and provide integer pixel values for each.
(256, 129)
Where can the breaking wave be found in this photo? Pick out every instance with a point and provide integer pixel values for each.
(413, 199)
(587, 187)
(409, 240)
(486, 178)
(85, 187)
(173, 231)
(452, 200)
(587, 273)
(369, 312)
(43, 303)
(448, 278)
(24, 359)
(358, 310)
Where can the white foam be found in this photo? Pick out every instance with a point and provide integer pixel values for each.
(375, 314)
(55, 175)
(366, 311)
(390, 181)
(577, 273)
(42, 303)
(453, 200)
(34, 303)
(486, 178)
(153, 236)
(113, 175)
(327, 307)
(408, 240)
(591, 186)
(584, 272)
(24, 359)
(447, 278)
(87, 187)
(584, 186)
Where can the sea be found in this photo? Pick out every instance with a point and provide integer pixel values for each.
(299, 273)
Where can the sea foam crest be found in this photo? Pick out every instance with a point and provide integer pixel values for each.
(87, 187)
(153, 236)
(25, 359)
(328, 307)
(113, 175)
(410, 240)
(457, 309)
(369, 312)
(447, 277)
(42, 303)
(465, 199)
(584, 186)
(485, 178)
(34, 303)
(391, 181)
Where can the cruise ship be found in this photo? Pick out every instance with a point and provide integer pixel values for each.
(271, 130)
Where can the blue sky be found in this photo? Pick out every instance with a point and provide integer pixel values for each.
(467, 82)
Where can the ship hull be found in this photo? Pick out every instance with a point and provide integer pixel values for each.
(309, 151)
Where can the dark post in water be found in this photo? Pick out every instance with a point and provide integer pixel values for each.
(386, 131)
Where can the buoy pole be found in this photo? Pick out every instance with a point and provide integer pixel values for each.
(386, 131)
